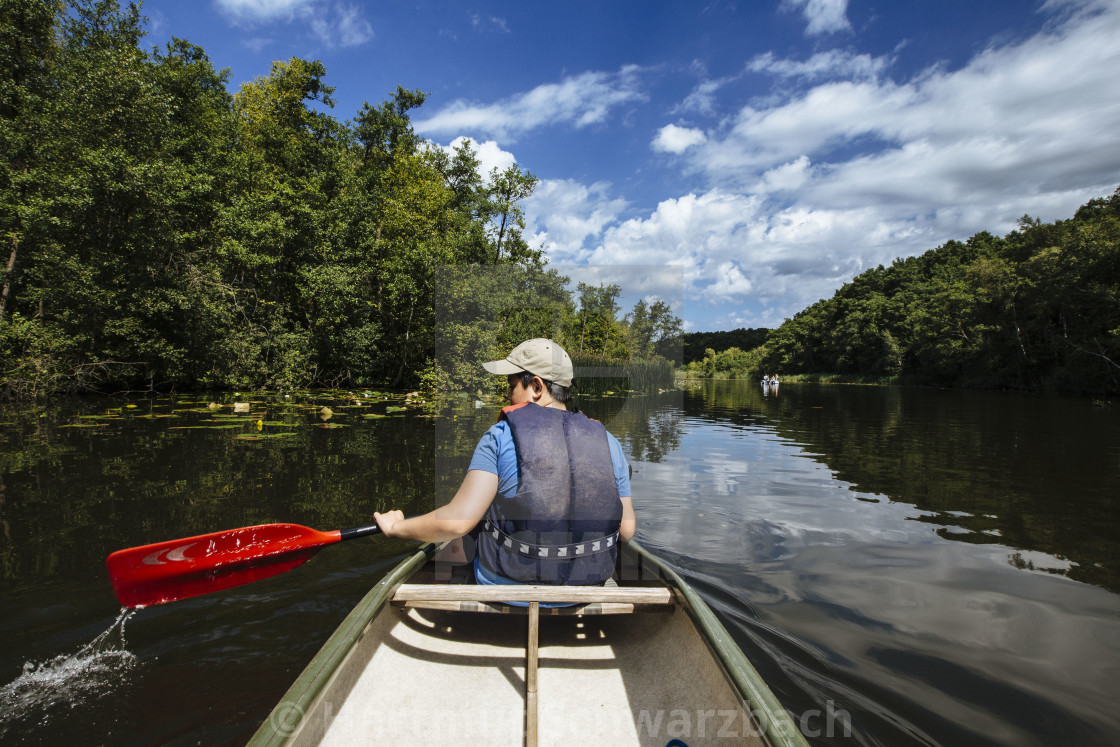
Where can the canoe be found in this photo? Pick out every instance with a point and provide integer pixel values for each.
(427, 657)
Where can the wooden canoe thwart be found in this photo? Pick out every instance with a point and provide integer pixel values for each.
(642, 661)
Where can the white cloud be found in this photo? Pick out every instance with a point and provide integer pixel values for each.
(562, 215)
(577, 101)
(833, 63)
(787, 177)
(674, 139)
(702, 98)
(824, 16)
(698, 232)
(482, 23)
(259, 11)
(342, 26)
(489, 154)
(333, 24)
(730, 283)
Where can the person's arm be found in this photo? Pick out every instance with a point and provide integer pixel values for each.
(629, 519)
(448, 522)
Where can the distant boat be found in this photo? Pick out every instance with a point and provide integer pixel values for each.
(429, 657)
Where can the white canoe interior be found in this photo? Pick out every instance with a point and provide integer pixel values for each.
(447, 663)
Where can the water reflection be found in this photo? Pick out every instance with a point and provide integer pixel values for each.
(825, 524)
(96, 474)
(1037, 475)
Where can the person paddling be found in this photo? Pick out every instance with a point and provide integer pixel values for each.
(547, 494)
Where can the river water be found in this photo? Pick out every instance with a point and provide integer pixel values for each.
(904, 566)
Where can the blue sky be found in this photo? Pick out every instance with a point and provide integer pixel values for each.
(740, 160)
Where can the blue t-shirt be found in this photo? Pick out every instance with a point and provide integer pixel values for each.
(497, 454)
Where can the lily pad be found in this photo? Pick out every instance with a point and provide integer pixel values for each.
(84, 425)
(333, 425)
(392, 408)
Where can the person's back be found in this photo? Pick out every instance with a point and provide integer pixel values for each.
(561, 526)
(548, 490)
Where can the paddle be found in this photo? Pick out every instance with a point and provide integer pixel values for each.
(183, 568)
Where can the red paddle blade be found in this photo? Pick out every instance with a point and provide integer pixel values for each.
(188, 567)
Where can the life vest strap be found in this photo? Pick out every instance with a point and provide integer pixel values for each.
(536, 552)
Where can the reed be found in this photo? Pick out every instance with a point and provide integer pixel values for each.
(826, 378)
(597, 375)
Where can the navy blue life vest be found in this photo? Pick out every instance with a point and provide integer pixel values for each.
(562, 525)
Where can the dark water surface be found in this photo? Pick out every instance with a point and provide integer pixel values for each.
(926, 567)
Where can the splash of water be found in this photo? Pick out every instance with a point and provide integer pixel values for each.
(69, 679)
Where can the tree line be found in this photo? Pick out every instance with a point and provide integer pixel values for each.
(1035, 310)
(161, 232)
(696, 344)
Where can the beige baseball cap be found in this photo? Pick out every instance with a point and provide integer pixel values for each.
(539, 356)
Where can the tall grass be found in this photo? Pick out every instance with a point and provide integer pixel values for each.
(597, 374)
(819, 378)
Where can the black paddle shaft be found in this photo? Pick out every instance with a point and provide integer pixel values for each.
(355, 532)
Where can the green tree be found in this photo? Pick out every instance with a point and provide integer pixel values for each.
(653, 330)
(508, 188)
(27, 58)
(596, 323)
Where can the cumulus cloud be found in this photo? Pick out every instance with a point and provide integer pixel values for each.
(730, 283)
(788, 177)
(823, 16)
(489, 154)
(563, 215)
(673, 139)
(577, 101)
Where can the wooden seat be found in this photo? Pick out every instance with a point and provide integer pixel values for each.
(585, 600)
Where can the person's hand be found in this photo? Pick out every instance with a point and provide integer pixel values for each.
(388, 520)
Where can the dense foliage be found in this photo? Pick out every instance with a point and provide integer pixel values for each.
(161, 232)
(696, 343)
(732, 363)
